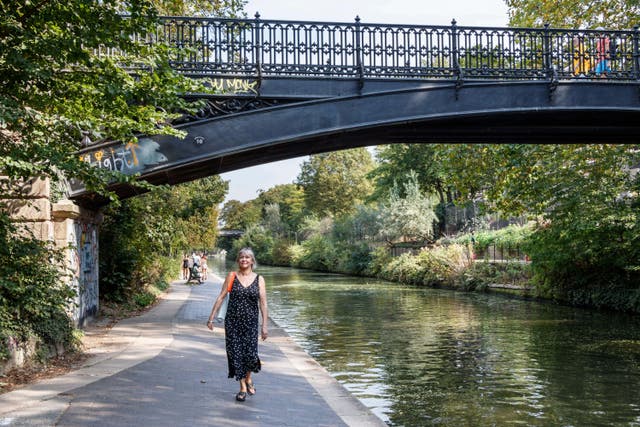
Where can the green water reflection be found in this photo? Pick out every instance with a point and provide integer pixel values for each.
(434, 357)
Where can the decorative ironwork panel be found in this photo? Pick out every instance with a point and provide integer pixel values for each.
(306, 49)
(413, 51)
(222, 107)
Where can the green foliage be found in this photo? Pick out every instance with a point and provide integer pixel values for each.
(482, 274)
(353, 258)
(239, 216)
(319, 254)
(54, 90)
(585, 200)
(361, 226)
(434, 266)
(290, 201)
(257, 238)
(163, 222)
(334, 183)
(380, 258)
(34, 299)
(614, 14)
(397, 162)
(282, 253)
(410, 217)
(297, 252)
(218, 8)
(512, 236)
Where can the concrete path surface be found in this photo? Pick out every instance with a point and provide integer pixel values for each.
(165, 368)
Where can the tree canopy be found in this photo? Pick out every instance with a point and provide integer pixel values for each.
(397, 162)
(334, 183)
(612, 14)
(57, 91)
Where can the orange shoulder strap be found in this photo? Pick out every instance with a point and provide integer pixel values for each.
(233, 277)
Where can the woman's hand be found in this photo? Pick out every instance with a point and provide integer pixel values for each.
(265, 334)
(210, 325)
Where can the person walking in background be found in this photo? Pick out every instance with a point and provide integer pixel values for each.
(247, 298)
(204, 266)
(603, 46)
(185, 267)
(581, 59)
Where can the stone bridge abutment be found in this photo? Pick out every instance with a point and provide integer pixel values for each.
(34, 206)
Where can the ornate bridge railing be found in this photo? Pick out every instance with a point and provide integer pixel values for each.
(262, 48)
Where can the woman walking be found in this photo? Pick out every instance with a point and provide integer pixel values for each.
(247, 294)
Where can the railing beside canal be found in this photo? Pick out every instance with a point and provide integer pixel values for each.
(494, 253)
(270, 48)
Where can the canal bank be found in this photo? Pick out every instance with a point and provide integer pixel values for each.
(165, 368)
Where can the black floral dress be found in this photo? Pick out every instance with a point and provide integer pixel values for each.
(241, 329)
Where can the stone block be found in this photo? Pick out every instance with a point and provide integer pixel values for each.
(61, 230)
(33, 188)
(29, 209)
(41, 230)
(65, 209)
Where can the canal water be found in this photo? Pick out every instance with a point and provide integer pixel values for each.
(428, 357)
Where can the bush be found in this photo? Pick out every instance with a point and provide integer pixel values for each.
(319, 254)
(482, 274)
(297, 253)
(354, 258)
(281, 253)
(380, 258)
(35, 296)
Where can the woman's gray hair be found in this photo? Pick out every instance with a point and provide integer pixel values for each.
(249, 252)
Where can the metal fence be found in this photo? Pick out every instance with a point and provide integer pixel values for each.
(502, 253)
(256, 47)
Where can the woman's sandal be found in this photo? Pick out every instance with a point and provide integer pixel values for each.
(241, 396)
(251, 389)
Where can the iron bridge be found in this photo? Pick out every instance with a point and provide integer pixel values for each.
(290, 88)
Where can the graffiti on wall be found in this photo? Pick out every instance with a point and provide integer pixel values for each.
(128, 158)
(234, 86)
(83, 261)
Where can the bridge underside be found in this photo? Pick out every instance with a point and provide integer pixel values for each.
(499, 112)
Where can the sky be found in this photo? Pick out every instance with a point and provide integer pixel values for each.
(244, 184)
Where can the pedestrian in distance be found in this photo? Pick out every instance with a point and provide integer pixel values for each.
(603, 48)
(581, 58)
(204, 266)
(247, 300)
(185, 267)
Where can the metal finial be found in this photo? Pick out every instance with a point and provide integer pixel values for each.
(453, 22)
(257, 15)
(357, 18)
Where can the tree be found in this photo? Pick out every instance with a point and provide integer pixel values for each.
(218, 8)
(612, 14)
(334, 183)
(56, 91)
(236, 215)
(585, 198)
(162, 222)
(395, 163)
(408, 216)
(290, 200)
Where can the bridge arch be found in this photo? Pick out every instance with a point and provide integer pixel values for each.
(588, 111)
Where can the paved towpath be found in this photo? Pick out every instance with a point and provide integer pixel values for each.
(165, 368)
